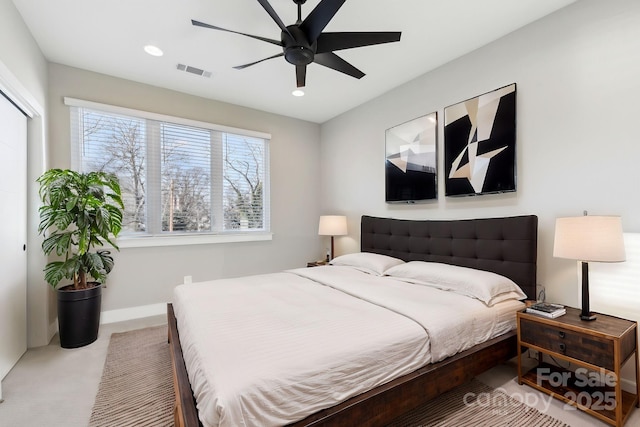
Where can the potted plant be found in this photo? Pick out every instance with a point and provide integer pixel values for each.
(80, 211)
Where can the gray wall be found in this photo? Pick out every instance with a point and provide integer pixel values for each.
(144, 276)
(577, 73)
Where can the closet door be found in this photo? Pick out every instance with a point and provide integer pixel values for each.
(13, 236)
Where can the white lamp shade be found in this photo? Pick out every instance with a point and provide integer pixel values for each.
(332, 225)
(589, 238)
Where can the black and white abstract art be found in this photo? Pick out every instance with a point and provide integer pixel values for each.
(410, 160)
(480, 144)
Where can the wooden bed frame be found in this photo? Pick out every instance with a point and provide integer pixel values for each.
(507, 246)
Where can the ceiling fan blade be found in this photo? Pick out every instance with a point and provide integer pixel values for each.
(240, 67)
(319, 17)
(301, 75)
(265, 4)
(213, 27)
(328, 42)
(331, 60)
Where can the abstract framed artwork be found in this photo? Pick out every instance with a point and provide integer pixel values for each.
(480, 144)
(410, 161)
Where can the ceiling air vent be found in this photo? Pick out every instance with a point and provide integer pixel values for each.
(193, 70)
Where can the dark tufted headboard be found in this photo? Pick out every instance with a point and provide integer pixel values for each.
(507, 246)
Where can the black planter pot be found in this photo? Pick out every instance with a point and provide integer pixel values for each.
(79, 316)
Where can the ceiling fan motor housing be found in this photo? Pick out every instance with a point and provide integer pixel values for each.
(297, 50)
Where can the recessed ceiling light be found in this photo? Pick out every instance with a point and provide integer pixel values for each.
(298, 92)
(153, 50)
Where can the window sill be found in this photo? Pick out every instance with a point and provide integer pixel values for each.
(183, 240)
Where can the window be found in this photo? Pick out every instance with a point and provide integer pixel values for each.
(613, 287)
(178, 177)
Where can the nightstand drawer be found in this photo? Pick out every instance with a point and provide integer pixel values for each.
(587, 348)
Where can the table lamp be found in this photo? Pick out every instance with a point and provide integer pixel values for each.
(332, 225)
(586, 239)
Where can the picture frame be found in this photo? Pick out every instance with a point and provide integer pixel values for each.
(411, 160)
(480, 144)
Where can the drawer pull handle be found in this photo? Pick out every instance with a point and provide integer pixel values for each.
(563, 347)
(561, 334)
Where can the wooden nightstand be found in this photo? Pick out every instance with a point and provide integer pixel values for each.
(597, 350)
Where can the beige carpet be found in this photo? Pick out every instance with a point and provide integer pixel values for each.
(137, 390)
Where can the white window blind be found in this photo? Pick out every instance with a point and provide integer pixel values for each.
(614, 288)
(178, 177)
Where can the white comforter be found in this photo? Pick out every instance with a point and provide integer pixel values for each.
(271, 349)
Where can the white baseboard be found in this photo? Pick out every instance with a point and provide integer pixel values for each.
(52, 330)
(629, 386)
(122, 314)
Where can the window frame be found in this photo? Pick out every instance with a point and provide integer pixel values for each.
(176, 238)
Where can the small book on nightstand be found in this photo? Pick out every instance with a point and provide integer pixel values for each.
(546, 309)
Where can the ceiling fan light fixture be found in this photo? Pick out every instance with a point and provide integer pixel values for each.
(305, 42)
(299, 55)
(298, 92)
(153, 50)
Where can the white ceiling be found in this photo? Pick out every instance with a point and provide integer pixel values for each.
(108, 36)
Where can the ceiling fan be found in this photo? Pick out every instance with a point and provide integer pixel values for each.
(304, 42)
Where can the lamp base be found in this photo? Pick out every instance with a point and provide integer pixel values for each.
(588, 317)
(585, 313)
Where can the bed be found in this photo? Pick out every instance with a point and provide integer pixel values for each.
(506, 246)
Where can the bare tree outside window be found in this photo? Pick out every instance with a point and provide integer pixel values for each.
(117, 145)
(168, 169)
(186, 187)
(243, 172)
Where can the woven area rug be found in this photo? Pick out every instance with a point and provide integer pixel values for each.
(136, 388)
(476, 405)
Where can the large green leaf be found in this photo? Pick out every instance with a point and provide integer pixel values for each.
(80, 212)
(61, 243)
(54, 272)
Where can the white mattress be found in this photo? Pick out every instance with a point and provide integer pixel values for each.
(271, 349)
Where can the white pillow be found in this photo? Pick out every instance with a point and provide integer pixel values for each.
(368, 262)
(486, 286)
